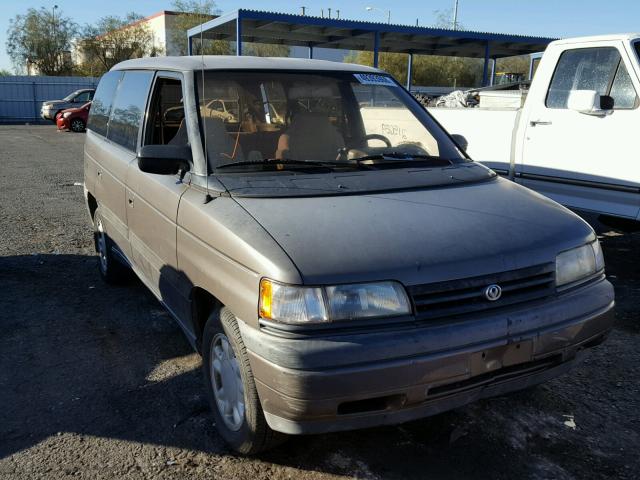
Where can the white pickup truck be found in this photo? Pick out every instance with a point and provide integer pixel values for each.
(574, 139)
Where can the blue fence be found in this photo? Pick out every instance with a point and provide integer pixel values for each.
(21, 96)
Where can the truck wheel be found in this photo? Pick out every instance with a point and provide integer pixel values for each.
(231, 388)
(111, 270)
(77, 125)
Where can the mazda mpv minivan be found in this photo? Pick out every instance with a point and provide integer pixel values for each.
(328, 248)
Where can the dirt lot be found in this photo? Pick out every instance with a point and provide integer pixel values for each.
(98, 382)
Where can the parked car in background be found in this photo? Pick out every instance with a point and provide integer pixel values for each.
(574, 140)
(346, 268)
(74, 119)
(51, 108)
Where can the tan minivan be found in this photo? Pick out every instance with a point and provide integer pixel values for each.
(331, 251)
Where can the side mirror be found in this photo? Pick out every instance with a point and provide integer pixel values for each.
(164, 159)
(589, 102)
(460, 140)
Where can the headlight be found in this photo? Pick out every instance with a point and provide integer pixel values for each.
(66, 114)
(578, 263)
(304, 305)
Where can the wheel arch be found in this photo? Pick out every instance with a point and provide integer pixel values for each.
(202, 304)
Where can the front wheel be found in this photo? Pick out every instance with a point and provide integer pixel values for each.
(231, 388)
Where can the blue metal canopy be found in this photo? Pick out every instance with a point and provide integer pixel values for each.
(302, 30)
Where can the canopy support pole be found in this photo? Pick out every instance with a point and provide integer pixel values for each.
(190, 46)
(239, 35)
(493, 72)
(376, 48)
(485, 69)
(409, 70)
(310, 51)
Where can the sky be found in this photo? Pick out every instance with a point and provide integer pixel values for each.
(547, 18)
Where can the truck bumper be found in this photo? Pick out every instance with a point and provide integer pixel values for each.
(356, 380)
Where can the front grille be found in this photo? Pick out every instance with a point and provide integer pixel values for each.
(467, 295)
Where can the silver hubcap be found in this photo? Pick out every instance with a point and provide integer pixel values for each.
(102, 246)
(227, 382)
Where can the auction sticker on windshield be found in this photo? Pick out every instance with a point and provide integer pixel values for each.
(374, 79)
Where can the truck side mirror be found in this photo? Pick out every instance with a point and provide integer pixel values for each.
(164, 159)
(460, 140)
(589, 102)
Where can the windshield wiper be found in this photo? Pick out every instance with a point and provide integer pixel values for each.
(287, 161)
(402, 157)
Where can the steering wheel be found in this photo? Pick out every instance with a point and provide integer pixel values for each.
(377, 136)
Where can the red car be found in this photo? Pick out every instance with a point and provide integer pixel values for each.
(73, 118)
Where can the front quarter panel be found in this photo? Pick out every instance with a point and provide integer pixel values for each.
(224, 251)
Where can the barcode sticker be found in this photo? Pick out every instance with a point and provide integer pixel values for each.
(374, 79)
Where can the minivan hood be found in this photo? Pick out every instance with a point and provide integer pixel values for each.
(419, 236)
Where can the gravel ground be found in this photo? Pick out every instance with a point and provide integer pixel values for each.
(98, 382)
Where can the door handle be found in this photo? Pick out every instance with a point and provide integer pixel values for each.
(131, 202)
(533, 123)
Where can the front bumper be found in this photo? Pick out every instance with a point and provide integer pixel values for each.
(61, 123)
(356, 380)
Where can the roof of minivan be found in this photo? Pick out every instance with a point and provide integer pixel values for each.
(227, 62)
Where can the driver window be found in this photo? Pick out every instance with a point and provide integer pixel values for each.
(166, 124)
(387, 122)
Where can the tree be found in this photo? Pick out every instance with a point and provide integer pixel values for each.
(42, 40)
(112, 40)
(5, 73)
(193, 13)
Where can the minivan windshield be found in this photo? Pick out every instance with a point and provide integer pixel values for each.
(288, 120)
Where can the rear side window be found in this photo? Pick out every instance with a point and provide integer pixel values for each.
(600, 69)
(101, 107)
(128, 108)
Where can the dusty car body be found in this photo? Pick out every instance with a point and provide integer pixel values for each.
(51, 108)
(74, 119)
(336, 269)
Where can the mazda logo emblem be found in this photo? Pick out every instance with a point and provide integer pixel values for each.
(493, 292)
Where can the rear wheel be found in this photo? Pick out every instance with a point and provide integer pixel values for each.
(77, 125)
(111, 270)
(231, 388)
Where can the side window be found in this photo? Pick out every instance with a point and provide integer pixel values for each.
(128, 108)
(622, 90)
(582, 69)
(82, 97)
(101, 107)
(165, 124)
(91, 95)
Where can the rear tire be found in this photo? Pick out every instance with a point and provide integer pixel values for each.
(243, 427)
(77, 125)
(111, 270)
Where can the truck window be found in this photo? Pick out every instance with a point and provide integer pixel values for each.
(128, 109)
(582, 69)
(622, 90)
(165, 124)
(101, 107)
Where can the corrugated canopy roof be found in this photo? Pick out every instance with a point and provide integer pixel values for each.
(310, 31)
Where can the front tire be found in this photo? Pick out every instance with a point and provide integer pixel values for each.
(111, 270)
(231, 388)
